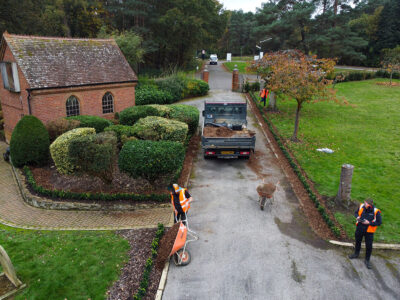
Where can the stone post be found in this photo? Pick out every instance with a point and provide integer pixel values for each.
(346, 175)
(272, 102)
(235, 79)
(205, 74)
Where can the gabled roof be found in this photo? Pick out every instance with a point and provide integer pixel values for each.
(49, 62)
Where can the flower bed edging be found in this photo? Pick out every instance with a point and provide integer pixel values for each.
(321, 209)
(144, 283)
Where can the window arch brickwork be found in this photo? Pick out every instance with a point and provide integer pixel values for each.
(108, 103)
(72, 106)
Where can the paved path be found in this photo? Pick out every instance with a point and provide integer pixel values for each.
(15, 212)
(246, 253)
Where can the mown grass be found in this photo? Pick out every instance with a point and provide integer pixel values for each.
(364, 133)
(240, 65)
(243, 58)
(65, 265)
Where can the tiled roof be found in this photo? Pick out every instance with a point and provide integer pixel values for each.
(61, 62)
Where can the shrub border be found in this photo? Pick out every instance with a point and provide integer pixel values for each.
(321, 209)
(89, 196)
(144, 283)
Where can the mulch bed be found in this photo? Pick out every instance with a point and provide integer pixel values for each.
(50, 178)
(388, 83)
(165, 247)
(314, 218)
(5, 285)
(140, 250)
(211, 131)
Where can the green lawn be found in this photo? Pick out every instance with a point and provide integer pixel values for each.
(366, 134)
(65, 265)
(240, 65)
(243, 58)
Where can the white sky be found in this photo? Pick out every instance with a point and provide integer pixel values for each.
(245, 5)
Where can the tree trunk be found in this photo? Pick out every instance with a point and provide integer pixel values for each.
(391, 76)
(272, 103)
(296, 123)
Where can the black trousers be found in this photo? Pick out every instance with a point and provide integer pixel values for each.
(264, 99)
(369, 238)
(181, 216)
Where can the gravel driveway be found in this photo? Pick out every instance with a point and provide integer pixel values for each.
(246, 253)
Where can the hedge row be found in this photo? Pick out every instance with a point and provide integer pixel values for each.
(311, 194)
(95, 122)
(144, 283)
(363, 75)
(89, 196)
(149, 94)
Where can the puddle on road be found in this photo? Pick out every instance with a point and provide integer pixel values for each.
(296, 275)
(301, 231)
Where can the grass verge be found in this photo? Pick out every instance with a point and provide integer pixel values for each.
(365, 134)
(240, 65)
(64, 265)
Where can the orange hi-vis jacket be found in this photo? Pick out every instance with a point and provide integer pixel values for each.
(184, 202)
(370, 229)
(264, 93)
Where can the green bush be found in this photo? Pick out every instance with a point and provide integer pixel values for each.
(94, 154)
(149, 94)
(151, 160)
(131, 115)
(29, 142)
(195, 87)
(255, 86)
(93, 122)
(386, 74)
(59, 126)
(158, 128)
(59, 149)
(174, 84)
(187, 114)
(123, 132)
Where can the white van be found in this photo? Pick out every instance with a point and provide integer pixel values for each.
(213, 59)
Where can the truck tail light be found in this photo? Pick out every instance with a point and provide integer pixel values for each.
(244, 152)
(210, 152)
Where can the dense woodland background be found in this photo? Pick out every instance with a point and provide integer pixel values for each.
(168, 34)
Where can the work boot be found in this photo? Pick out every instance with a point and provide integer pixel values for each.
(354, 255)
(368, 264)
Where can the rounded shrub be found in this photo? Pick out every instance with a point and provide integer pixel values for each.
(158, 128)
(149, 94)
(151, 160)
(131, 115)
(122, 132)
(187, 114)
(174, 84)
(195, 87)
(59, 126)
(29, 142)
(59, 149)
(92, 121)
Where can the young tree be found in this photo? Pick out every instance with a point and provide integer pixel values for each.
(391, 61)
(299, 77)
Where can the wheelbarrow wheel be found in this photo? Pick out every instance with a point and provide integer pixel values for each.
(181, 255)
(262, 202)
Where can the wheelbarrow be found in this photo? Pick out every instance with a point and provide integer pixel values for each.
(266, 194)
(180, 255)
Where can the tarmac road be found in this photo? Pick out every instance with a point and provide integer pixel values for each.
(246, 253)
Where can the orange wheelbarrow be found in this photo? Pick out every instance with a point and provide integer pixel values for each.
(180, 255)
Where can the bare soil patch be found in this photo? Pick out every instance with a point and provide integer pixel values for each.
(314, 218)
(388, 83)
(131, 274)
(211, 131)
(165, 247)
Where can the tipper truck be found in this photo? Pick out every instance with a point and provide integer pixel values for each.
(225, 133)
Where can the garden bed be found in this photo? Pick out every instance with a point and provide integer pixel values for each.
(49, 178)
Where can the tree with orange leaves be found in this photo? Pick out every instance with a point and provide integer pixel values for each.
(300, 77)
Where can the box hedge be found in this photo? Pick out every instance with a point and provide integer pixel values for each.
(59, 149)
(123, 132)
(187, 114)
(29, 142)
(131, 115)
(94, 154)
(150, 159)
(92, 121)
(149, 94)
(59, 126)
(158, 128)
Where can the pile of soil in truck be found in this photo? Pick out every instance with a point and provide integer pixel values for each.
(211, 131)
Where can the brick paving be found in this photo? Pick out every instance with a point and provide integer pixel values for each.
(15, 212)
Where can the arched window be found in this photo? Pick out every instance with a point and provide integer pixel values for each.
(72, 106)
(108, 103)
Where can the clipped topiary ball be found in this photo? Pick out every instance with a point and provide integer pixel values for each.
(185, 113)
(29, 143)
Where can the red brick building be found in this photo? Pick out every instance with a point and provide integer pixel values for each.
(57, 77)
